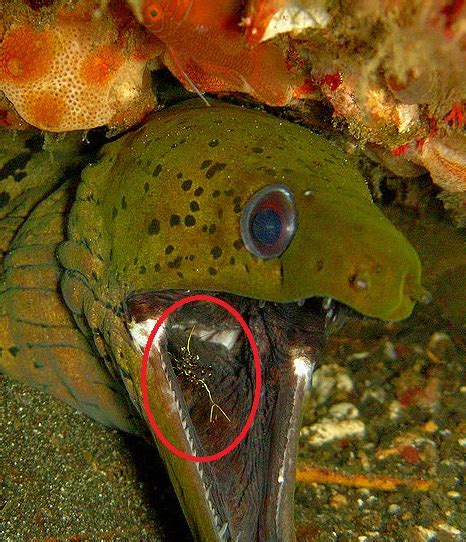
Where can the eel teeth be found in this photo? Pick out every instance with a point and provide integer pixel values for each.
(223, 531)
(327, 303)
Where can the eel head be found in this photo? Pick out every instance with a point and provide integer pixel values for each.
(261, 213)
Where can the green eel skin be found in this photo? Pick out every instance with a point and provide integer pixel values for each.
(161, 211)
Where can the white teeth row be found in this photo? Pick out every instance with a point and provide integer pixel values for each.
(327, 303)
(193, 451)
(140, 333)
(223, 531)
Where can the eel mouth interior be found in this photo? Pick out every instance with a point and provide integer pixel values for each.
(208, 363)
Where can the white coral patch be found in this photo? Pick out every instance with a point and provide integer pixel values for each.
(331, 430)
(294, 18)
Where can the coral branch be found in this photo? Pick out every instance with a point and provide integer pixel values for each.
(318, 475)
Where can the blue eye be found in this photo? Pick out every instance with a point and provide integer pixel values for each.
(268, 223)
(266, 226)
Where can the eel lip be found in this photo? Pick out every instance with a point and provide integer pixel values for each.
(201, 383)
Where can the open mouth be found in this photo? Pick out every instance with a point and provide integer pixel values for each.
(204, 375)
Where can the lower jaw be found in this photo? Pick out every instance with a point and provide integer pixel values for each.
(201, 383)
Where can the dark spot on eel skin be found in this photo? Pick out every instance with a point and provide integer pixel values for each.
(220, 213)
(35, 143)
(212, 229)
(175, 220)
(238, 244)
(205, 164)
(154, 227)
(213, 143)
(157, 170)
(4, 199)
(19, 176)
(216, 252)
(169, 249)
(180, 274)
(12, 166)
(199, 191)
(142, 270)
(229, 192)
(194, 206)
(218, 166)
(146, 188)
(320, 265)
(180, 142)
(212, 271)
(176, 263)
(179, 175)
(232, 261)
(257, 150)
(216, 193)
(114, 213)
(124, 204)
(189, 221)
(13, 351)
(186, 186)
(157, 267)
(191, 257)
(204, 228)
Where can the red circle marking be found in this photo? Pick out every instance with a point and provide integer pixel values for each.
(257, 369)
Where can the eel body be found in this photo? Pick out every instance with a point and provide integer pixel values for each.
(221, 200)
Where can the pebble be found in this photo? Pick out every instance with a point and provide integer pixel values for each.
(338, 501)
(390, 350)
(329, 431)
(342, 411)
(426, 535)
(394, 509)
(394, 410)
(450, 529)
(358, 356)
(454, 494)
(329, 379)
(430, 426)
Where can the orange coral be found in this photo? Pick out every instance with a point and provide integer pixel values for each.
(77, 70)
(25, 55)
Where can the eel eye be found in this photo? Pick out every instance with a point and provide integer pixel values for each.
(269, 223)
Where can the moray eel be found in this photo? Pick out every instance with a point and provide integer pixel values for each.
(226, 200)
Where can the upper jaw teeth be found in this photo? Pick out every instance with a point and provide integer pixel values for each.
(329, 305)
